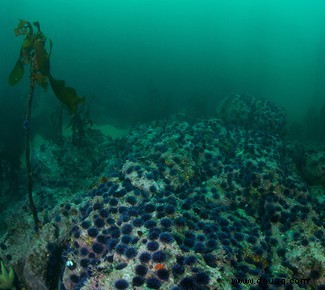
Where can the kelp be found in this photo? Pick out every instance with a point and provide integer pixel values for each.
(17, 73)
(66, 95)
(34, 53)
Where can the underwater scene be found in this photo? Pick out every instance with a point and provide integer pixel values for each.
(162, 144)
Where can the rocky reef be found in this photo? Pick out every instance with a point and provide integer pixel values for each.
(177, 204)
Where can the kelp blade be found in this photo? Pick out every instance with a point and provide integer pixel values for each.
(42, 58)
(17, 73)
(66, 95)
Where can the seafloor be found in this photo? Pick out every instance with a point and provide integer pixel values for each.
(176, 204)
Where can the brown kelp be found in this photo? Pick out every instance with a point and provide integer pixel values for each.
(33, 53)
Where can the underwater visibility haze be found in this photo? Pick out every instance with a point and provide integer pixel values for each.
(162, 144)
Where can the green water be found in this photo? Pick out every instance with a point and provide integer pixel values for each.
(145, 58)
